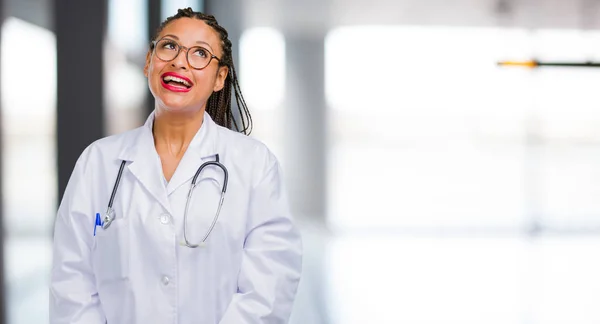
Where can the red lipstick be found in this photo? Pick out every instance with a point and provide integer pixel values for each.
(182, 83)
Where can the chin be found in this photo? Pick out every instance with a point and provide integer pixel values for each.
(172, 101)
(176, 102)
(178, 106)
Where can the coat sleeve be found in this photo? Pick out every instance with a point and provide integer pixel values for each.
(73, 295)
(272, 258)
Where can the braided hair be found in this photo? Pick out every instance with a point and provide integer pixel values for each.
(219, 103)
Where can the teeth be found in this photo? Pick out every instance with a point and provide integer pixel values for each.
(176, 79)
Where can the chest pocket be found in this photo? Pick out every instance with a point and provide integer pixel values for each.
(110, 253)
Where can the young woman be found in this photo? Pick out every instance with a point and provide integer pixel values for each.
(181, 220)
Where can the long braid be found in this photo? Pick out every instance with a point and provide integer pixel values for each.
(219, 103)
(241, 102)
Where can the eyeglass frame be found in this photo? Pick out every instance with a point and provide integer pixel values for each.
(187, 51)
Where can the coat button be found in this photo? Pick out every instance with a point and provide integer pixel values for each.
(165, 280)
(165, 219)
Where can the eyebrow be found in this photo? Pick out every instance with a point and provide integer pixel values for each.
(197, 42)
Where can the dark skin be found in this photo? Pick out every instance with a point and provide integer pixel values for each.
(179, 115)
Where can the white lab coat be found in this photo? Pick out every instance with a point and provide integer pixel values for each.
(136, 271)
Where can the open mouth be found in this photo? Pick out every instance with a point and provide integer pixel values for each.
(176, 82)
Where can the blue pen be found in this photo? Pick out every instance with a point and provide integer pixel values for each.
(98, 222)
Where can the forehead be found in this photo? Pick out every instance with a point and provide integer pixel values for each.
(191, 30)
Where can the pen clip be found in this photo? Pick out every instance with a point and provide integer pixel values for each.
(98, 222)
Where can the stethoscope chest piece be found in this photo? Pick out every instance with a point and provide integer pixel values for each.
(108, 218)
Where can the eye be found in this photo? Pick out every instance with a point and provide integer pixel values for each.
(201, 52)
(168, 45)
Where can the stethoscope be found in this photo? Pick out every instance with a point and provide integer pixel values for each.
(109, 217)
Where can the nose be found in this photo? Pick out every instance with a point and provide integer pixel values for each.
(180, 61)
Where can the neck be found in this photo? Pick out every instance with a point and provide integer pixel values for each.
(173, 132)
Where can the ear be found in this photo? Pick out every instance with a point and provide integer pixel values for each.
(147, 65)
(221, 77)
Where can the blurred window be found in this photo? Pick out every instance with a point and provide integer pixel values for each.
(428, 133)
(262, 79)
(28, 165)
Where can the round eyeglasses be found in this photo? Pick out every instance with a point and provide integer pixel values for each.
(197, 57)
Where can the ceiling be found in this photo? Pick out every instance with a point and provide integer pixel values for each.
(307, 16)
(317, 14)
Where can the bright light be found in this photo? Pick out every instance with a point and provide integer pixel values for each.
(28, 76)
(439, 133)
(170, 7)
(262, 67)
(127, 25)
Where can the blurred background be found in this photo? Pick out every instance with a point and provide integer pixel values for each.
(431, 185)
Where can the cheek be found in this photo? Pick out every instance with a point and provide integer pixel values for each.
(205, 81)
(154, 72)
(154, 79)
(156, 65)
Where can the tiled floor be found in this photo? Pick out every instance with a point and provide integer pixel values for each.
(368, 279)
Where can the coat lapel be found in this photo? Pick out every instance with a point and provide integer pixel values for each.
(145, 163)
(201, 149)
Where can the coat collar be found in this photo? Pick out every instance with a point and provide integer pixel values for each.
(146, 166)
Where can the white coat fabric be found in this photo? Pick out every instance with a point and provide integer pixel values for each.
(137, 271)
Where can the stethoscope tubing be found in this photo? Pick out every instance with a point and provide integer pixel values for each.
(189, 199)
(110, 213)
